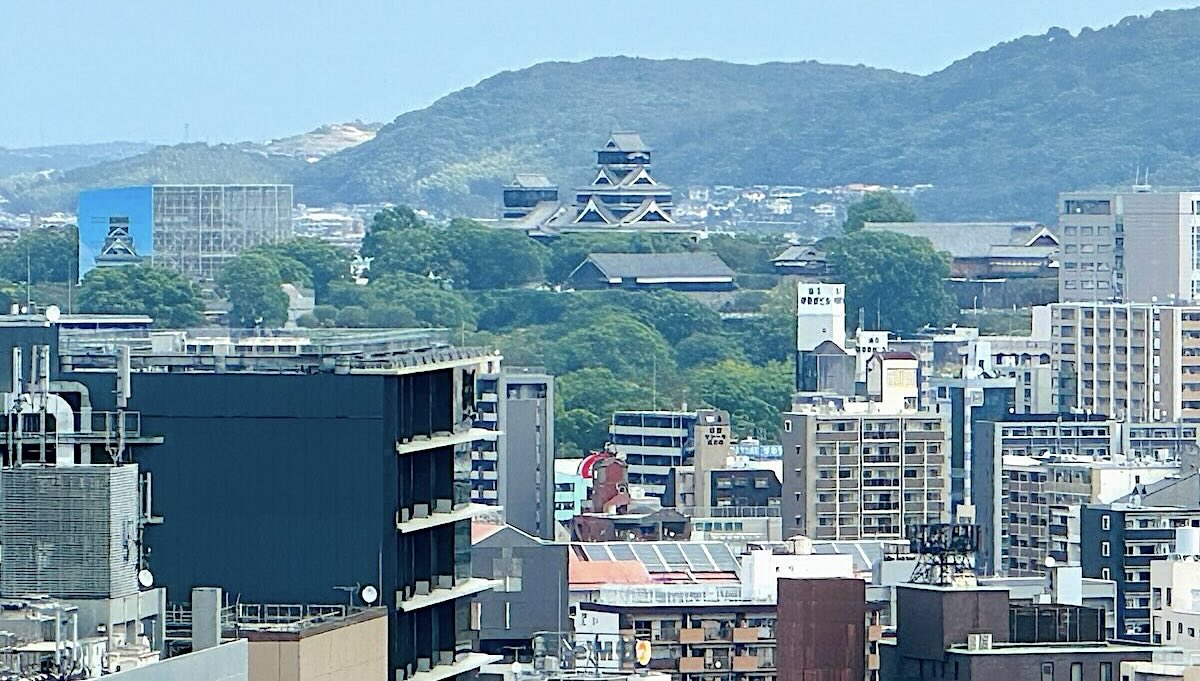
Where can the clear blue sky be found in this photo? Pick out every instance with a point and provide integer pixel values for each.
(85, 71)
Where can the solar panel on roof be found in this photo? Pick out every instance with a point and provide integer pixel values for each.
(649, 557)
(595, 552)
(673, 555)
(722, 557)
(698, 558)
(622, 552)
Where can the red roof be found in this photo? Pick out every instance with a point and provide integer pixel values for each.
(481, 531)
(597, 573)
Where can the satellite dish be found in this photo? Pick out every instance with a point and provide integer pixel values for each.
(145, 578)
(369, 594)
(642, 649)
(53, 313)
(1049, 561)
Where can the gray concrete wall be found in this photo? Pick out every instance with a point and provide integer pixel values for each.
(228, 662)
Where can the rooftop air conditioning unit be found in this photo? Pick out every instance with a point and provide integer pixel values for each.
(979, 641)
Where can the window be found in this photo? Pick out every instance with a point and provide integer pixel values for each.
(1105, 573)
(1104, 522)
(1076, 671)
(1106, 671)
(1104, 549)
(1047, 671)
(787, 426)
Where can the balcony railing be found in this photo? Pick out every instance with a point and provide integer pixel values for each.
(675, 594)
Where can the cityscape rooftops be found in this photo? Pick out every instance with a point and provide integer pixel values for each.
(625, 141)
(972, 239)
(661, 265)
(266, 350)
(532, 181)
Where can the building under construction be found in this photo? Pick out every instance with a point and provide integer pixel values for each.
(193, 228)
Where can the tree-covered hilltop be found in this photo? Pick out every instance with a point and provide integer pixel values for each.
(998, 133)
(182, 164)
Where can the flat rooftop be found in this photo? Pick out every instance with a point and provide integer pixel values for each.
(267, 350)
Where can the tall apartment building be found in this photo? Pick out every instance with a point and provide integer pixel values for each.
(967, 401)
(193, 228)
(1120, 542)
(853, 472)
(1034, 471)
(513, 465)
(1129, 246)
(1134, 361)
(673, 451)
(345, 455)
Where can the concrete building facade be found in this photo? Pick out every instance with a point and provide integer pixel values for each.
(859, 473)
(513, 465)
(1133, 361)
(1129, 246)
(1120, 541)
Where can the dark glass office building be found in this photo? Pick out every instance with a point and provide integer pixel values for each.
(302, 469)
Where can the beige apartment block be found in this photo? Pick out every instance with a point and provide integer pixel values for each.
(860, 473)
(353, 647)
(1132, 361)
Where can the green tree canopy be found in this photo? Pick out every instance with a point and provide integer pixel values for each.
(896, 279)
(707, 348)
(160, 292)
(39, 256)
(430, 303)
(617, 341)
(877, 207)
(251, 282)
(753, 395)
(493, 258)
(464, 252)
(309, 261)
(586, 400)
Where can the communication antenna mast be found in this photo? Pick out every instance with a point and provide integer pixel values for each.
(945, 553)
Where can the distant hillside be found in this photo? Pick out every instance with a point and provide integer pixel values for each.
(52, 184)
(998, 133)
(325, 140)
(706, 119)
(65, 156)
(184, 163)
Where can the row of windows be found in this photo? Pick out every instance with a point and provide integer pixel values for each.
(1072, 284)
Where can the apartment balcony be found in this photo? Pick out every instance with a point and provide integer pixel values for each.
(874, 435)
(752, 663)
(691, 636)
(440, 589)
(691, 665)
(752, 634)
(826, 483)
(440, 439)
(441, 512)
(837, 436)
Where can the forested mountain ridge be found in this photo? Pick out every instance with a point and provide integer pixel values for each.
(998, 133)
